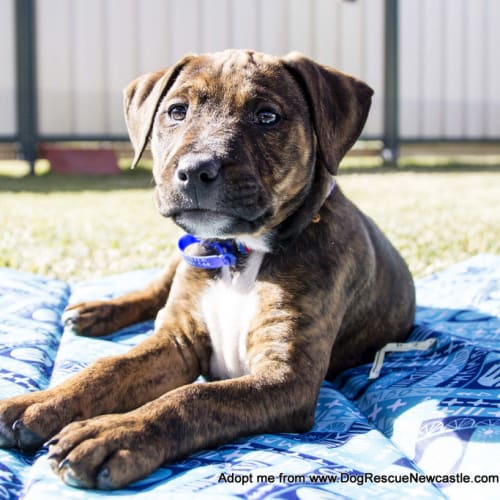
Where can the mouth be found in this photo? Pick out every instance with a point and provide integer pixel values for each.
(204, 223)
(212, 218)
(215, 224)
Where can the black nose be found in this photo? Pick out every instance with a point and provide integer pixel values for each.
(195, 170)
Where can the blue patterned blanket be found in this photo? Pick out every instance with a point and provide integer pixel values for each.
(428, 427)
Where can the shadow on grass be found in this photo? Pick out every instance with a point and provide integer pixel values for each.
(141, 177)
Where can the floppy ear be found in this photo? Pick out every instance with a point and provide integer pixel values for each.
(339, 105)
(141, 99)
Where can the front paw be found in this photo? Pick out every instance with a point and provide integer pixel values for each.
(92, 319)
(27, 421)
(106, 452)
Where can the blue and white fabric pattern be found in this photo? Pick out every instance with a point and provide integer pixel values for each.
(427, 427)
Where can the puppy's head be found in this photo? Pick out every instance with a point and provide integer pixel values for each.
(242, 141)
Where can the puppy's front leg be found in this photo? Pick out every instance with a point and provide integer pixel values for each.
(101, 317)
(161, 363)
(279, 395)
(111, 451)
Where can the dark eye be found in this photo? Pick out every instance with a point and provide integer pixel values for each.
(267, 117)
(178, 112)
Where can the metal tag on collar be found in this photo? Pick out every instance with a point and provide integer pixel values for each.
(225, 256)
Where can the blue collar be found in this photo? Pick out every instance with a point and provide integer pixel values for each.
(226, 252)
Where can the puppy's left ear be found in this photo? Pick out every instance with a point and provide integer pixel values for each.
(339, 106)
(141, 99)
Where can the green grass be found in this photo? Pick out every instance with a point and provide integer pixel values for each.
(80, 227)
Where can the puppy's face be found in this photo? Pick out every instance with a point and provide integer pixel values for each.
(233, 145)
(242, 140)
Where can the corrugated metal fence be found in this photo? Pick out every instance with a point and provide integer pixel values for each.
(449, 69)
(87, 50)
(7, 70)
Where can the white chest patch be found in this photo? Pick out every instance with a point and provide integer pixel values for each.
(228, 306)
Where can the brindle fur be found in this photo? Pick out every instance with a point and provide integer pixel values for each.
(330, 293)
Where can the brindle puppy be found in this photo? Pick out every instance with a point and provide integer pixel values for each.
(245, 146)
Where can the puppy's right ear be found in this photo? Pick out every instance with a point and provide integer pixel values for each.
(141, 99)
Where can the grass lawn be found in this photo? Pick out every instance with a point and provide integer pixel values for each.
(76, 228)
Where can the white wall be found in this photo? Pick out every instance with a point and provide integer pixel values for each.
(7, 69)
(450, 68)
(89, 49)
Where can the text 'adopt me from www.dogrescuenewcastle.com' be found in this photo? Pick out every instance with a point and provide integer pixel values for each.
(359, 479)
